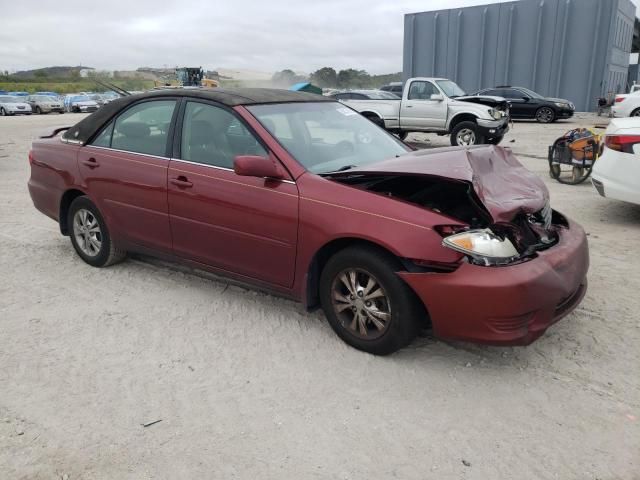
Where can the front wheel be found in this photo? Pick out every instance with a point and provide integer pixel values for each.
(403, 135)
(38, 110)
(466, 134)
(545, 115)
(3, 113)
(366, 303)
(89, 234)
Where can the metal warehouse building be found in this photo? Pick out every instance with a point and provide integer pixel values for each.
(573, 49)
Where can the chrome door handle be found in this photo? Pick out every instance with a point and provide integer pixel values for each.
(91, 163)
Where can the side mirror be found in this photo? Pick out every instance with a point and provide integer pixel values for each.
(256, 166)
(437, 97)
(526, 99)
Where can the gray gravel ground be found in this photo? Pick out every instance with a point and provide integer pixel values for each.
(248, 385)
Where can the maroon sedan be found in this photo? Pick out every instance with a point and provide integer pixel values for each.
(298, 194)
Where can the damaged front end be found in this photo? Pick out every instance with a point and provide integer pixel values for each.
(494, 211)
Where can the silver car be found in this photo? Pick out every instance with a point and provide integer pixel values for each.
(79, 104)
(45, 104)
(14, 106)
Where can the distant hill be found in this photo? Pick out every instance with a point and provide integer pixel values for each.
(51, 72)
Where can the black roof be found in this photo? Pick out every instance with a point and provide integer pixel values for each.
(86, 128)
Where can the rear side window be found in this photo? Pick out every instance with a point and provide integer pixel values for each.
(143, 128)
(104, 139)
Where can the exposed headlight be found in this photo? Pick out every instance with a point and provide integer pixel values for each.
(483, 246)
(562, 105)
(495, 114)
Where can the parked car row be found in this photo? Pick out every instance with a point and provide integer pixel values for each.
(23, 103)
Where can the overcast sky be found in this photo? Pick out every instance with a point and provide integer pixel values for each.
(261, 35)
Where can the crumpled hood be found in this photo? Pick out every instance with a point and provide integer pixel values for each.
(501, 182)
(488, 100)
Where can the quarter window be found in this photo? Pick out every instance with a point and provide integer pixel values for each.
(104, 139)
(214, 136)
(143, 128)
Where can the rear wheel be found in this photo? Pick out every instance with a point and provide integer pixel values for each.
(466, 134)
(635, 113)
(366, 303)
(89, 234)
(38, 110)
(545, 115)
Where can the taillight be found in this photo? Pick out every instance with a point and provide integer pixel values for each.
(621, 143)
(620, 99)
(30, 157)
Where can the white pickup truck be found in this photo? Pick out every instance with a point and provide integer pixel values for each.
(440, 106)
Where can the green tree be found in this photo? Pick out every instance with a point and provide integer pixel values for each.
(351, 78)
(325, 77)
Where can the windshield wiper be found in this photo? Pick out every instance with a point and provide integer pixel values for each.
(341, 169)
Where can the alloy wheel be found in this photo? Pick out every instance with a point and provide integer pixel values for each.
(545, 115)
(466, 137)
(86, 230)
(361, 303)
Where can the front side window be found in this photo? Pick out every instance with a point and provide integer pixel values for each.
(214, 136)
(422, 90)
(144, 128)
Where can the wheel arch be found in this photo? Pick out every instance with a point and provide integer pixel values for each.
(322, 256)
(462, 117)
(373, 116)
(65, 202)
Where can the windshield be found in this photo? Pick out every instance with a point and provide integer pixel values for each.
(450, 89)
(8, 99)
(327, 136)
(531, 93)
(81, 98)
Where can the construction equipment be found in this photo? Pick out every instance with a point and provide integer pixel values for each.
(187, 77)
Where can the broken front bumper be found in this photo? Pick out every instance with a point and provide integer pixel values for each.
(493, 128)
(511, 305)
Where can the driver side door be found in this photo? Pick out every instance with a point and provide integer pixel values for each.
(419, 110)
(244, 225)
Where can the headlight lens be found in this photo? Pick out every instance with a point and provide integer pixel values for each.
(483, 246)
(495, 114)
(562, 105)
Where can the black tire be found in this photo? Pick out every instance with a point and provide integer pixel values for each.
(61, 112)
(468, 130)
(375, 119)
(403, 135)
(494, 140)
(38, 110)
(635, 113)
(545, 115)
(108, 253)
(405, 310)
(2, 112)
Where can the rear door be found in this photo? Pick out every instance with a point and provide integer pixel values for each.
(419, 111)
(244, 225)
(124, 169)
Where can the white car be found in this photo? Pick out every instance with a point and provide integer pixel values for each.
(14, 106)
(616, 174)
(626, 105)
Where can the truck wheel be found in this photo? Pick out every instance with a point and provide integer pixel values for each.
(466, 134)
(402, 135)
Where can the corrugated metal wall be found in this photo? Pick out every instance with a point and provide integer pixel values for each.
(574, 49)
